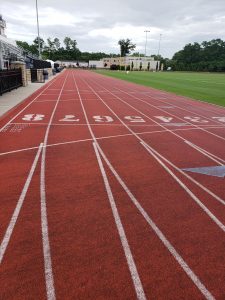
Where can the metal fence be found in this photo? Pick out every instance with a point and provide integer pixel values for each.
(37, 75)
(10, 79)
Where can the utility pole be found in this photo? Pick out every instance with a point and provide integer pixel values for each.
(160, 37)
(146, 38)
(39, 44)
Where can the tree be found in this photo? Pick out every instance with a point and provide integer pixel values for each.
(36, 43)
(126, 46)
(70, 44)
(56, 44)
(24, 45)
(137, 54)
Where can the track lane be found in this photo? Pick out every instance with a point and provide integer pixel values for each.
(168, 143)
(67, 180)
(21, 161)
(150, 193)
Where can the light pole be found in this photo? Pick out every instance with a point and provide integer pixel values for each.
(146, 37)
(39, 44)
(160, 37)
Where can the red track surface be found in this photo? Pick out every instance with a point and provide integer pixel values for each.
(94, 200)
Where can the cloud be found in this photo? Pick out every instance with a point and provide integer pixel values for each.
(98, 25)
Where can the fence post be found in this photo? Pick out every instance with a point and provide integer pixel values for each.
(22, 66)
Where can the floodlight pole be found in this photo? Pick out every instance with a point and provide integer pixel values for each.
(39, 44)
(160, 37)
(146, 32)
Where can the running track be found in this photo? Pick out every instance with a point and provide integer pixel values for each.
(95, 201)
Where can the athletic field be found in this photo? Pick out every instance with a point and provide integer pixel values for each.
(209, 87)
(111, 190)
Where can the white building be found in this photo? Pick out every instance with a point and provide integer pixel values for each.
(96, 64)
(135, 62)
(72, 64)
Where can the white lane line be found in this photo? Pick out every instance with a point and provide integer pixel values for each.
(1, 129)
(126, 248)
(187, 127)
(189, 111)
(219, 199)
(201, 205)
(134, 97)
(143, 114)
(130, 261)
(19, 205)
(49, 279)
(101, 138)
(164, 111)
(185, 188)
(159, 233)
(213, 157)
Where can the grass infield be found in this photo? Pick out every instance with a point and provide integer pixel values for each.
(208, 87)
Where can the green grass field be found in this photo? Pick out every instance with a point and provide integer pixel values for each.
(209, 87)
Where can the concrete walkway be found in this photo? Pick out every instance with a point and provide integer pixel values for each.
(11, 99)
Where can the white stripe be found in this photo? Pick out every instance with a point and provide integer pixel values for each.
(165, 111)
(104, 137)
(44, 221)
(159, 233)
(206, 153)
(187, 190)
(189, 177)
(126, 248)
(19, 205)
(142, 141)
(131, 264)
(143, 114)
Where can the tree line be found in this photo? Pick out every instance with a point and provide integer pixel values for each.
(206, 56)
(54, 50)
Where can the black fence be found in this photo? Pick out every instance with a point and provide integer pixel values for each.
(41, 64)
(37, 75)
(10, 79)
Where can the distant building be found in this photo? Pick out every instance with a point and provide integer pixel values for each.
(144, 62)
(96, 64)
(72, 63)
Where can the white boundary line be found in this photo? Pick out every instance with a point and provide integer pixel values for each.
(49, 279)
(102, 138)
(201, 205)
(159, 233)
(219, 199)
(171, 249)
(143, 114)
(185, 188)
(112, 124)
(184, 109)
(164, 93)
(127, 251)
(213, 157)
(168, 113)
(19, 205)
(128, 254)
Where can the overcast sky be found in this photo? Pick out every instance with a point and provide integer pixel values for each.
(97, 25)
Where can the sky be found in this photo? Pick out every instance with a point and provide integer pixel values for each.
(97, 25)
